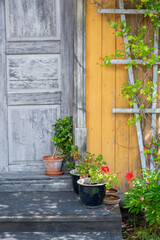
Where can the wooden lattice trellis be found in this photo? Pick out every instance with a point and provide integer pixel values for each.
(135, 109)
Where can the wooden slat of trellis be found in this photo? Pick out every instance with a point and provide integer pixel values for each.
(126, 61)
(132, 110)
(154, 103)
(122, 11)
(135, 106)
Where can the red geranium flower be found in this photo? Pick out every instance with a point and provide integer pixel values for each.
(145, 147)
(105, 169)
(129, 176)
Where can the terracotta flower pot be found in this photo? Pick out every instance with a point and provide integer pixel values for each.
(53, 165)
(112, 191)
(111, 199)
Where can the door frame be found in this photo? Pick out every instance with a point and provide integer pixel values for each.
(79, 106)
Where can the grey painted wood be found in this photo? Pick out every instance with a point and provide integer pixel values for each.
(39, 84)
(61, 235)
(79, 75)
(154, 103)
(122, 11)
(49, 185)
(54, 211)
(36, 98)
(126, 61)
(30, 131)
(36, 47)
(66, 8)
(135, 106)
(3, 89)
(32, 19)
(33, 67)
(34, 84)
(33, 176)
(80, 139)
(132, 110)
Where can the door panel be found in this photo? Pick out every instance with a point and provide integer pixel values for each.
(32, 19)
(37, 78)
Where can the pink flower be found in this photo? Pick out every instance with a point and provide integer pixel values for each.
(147, 182)
(147, 169)
(141, 198)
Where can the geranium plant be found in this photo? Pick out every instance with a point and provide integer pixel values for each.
(145, 197)
(98, 171)
(75, 155)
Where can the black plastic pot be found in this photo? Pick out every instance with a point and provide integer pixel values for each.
(75, 177)
(91, 195)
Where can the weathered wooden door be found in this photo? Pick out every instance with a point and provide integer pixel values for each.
(36, 78)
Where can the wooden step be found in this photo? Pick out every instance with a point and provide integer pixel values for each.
(60, 236)
(57, 211)
(12, 182)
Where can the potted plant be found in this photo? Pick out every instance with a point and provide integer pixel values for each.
(62, 140)
(92, 189)
(81, 169)
(74, 153)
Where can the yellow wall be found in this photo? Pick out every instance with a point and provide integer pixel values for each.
(107, 133)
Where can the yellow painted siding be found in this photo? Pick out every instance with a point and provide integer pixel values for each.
(107, 133)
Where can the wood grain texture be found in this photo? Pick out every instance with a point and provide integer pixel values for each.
(32, 19)
(34, 98)
(122, 130)
(27, 134)
(108, 94)
(34, 84)
(67, 27)
(93, 80)
(79, 108)
(122, 11)
(33, 67)
(3, 89)
(33, 47)
(79, 64)
(39, 62)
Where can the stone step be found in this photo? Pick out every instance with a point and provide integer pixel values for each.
(54, 212)
(12, 182)
(60, 236)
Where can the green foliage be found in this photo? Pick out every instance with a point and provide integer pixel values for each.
(63, 138)
(131, 93)
(75, 152)
(152, 10)
(143, 234)
(145, 196)
(151, 149)
(70, 165)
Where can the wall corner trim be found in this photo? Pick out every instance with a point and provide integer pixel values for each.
(79, 109)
